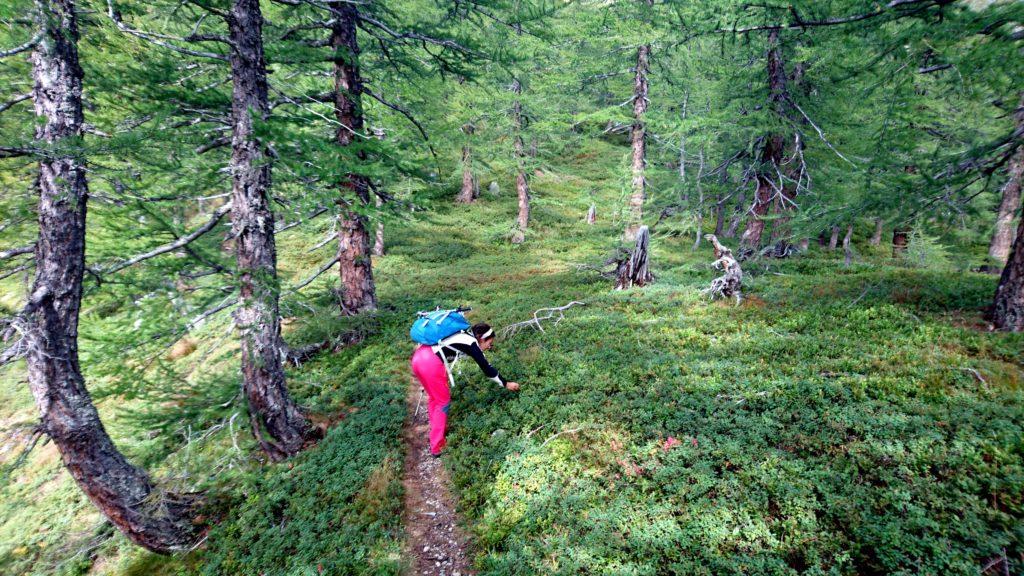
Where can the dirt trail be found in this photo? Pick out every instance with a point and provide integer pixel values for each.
(436, 546)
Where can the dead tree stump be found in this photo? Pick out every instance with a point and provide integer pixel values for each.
(632, 269)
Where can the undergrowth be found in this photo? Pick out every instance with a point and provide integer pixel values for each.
(842, 420)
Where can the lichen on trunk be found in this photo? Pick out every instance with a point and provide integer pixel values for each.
(522, 183)
(638, 143)
(257, 316)
(1008, 305)
(158, 521)
(355, 266)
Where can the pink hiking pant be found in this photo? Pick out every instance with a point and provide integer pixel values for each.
(431, 373)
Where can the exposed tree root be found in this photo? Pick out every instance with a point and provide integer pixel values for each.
(730, 283)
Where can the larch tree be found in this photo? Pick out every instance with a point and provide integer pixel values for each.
(468, 191)
(125, 494)
(258, 317)
(638, 143)
(358, 293)
(772, 147)
(1009, 203)
(519, 152)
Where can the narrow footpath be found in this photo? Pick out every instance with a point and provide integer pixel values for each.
(436, 545)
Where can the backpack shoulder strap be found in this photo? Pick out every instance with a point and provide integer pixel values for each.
(457, 338)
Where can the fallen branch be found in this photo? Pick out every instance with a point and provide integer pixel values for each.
(556, 435)
(558, 313)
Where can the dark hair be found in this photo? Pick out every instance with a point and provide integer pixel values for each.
(481, 329)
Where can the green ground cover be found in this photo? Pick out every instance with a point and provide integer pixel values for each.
(840, 421)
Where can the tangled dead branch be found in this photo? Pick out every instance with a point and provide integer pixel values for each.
(539, 316)
(730, 283)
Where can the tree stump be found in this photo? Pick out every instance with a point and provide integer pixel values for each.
(633, 269)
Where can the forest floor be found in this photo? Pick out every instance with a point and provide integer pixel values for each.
(842, 420)
(436, 545)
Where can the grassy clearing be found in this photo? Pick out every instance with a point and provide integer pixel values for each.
(840, 421)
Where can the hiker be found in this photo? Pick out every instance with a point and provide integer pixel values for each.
(432, 366)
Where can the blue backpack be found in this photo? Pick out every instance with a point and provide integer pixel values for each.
(432, 327)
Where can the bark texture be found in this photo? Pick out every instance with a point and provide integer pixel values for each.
(638, 140)
(634, 268)
(356, 267)
(257, 316)
(772, 149)
(1008, 308)
(378, 240)
(1003, 236)
(900, 239)
(847, 248)
(124, 494)
(833, 240)
(468, 193)
(876, 238)
(737, 218)
(522, 184)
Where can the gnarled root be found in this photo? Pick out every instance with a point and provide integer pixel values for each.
(730, 283)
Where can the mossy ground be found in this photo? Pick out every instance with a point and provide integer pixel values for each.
(840, 421)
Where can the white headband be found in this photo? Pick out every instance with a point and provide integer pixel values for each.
(488, 334)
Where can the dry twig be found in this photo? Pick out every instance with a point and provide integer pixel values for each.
(558, 313)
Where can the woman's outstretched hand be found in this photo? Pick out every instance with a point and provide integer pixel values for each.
(513, 386)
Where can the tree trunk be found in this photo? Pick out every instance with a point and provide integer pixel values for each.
(378, 241)
(719, 215)
(786, 200)
(833, 240)
(700, 201)
(638, 138)
(358, 293)
(847, 250)
(634, 270)
(257, 316)
(771, 155)
(737, 217)
(522, 184)
(772, 150)
(122, 492)
(876, 238)
(468, 192)
(900, 239)
(1008, 308)
(1002, 236)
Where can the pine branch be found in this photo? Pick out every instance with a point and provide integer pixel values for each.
(19, 98)
(170, 246)
(12, 252)
(24, 47)
(159, 39)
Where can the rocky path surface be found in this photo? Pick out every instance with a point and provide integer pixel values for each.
(436, 545)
